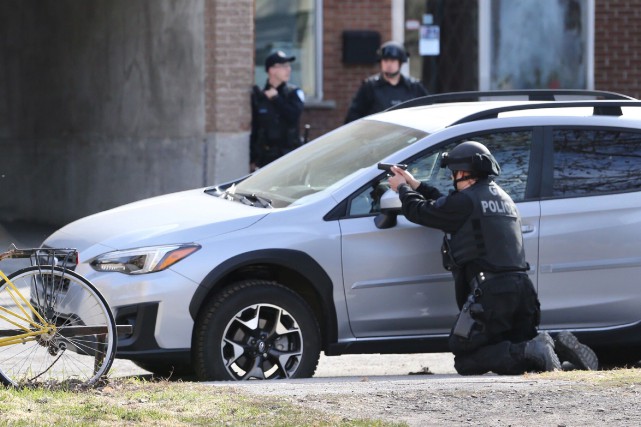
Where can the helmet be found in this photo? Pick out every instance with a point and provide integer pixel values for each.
(471, 156)
(392, 50)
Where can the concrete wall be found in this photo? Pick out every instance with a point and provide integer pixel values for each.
(103, 103)
(229, 76)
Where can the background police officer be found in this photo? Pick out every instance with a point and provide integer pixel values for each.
(386, 89)
(276, 111)
(484, 250)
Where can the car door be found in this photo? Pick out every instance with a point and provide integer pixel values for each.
(590, 250)
(395, 284)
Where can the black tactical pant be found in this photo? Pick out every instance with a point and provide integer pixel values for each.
(511, 314)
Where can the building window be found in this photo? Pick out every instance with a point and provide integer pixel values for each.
(544, 44)
(294, 27)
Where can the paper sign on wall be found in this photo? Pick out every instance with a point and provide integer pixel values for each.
(429, 43)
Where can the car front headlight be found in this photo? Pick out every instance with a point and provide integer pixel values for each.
(143, 260)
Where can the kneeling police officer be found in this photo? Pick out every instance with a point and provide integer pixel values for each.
(483, 248)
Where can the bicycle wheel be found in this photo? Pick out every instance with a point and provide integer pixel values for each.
(55, 328)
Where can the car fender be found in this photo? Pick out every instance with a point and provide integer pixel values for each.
(294, 260)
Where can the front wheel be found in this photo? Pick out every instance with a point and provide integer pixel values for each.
(256, 330)
(55, 327)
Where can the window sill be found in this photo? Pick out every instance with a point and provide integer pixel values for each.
(314, 104)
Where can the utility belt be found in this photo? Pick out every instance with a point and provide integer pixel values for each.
(484, 276)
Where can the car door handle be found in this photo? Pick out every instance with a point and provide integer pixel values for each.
(527, 229)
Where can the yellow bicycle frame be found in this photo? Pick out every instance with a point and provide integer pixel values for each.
(31, 329)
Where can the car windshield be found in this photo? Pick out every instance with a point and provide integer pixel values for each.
(325, 161)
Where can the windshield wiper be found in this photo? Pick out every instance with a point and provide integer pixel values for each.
(251, 199)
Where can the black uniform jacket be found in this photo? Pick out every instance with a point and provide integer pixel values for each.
(495, 245)
(429, 207)
(376, 94)
(275, 123)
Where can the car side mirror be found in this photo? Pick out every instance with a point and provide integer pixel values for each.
(390, 209)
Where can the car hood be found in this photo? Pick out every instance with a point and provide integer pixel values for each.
(182, 217)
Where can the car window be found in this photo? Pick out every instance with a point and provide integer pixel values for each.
(512, 152)
(510, 148)
(327, 160)
(591, 162)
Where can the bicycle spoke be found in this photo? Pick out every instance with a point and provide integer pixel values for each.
(80, 344)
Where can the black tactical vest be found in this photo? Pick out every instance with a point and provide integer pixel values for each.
(491, 236)
(384, 95)
(275, 133)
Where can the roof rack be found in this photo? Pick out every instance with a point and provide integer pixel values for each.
(532, 95)
(601, 108)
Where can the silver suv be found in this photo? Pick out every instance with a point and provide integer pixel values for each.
(253, 279)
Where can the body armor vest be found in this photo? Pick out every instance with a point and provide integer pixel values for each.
(385, 95)
(275, 133)
(491, 236)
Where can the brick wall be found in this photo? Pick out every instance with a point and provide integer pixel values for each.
(230, 55)
(617, 46)
(340, 82)
(229, 64)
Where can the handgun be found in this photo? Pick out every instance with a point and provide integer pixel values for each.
(388, 166)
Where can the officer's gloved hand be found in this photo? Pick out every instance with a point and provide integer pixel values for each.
(271, 92)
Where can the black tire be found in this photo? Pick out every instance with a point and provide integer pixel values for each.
(75, 334)
(256, 329)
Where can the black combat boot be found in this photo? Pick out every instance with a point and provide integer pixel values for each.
(569, 349)
(545, 338)
(542, 356)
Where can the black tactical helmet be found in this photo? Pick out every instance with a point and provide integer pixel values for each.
(392, 50)
(471, 156)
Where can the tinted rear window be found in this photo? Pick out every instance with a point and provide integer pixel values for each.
(592, 162)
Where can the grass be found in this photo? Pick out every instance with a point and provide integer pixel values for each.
(135, 401)
(158, 403)
(608, 378)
